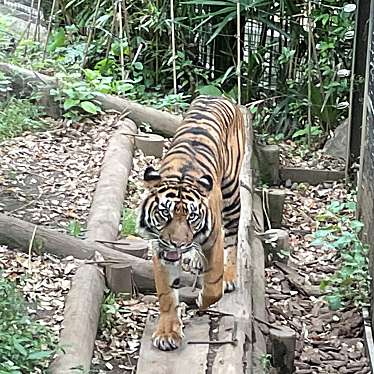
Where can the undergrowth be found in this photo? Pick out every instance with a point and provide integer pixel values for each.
(18, 116)
(26, 346)
(128, 226)
(338, 229)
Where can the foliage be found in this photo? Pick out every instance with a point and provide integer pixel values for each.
(74, 228)
(265, 362)
(128, 226)
(17, 116)
(328, 71)
(25, 344)
(109, 310)
(340, 230)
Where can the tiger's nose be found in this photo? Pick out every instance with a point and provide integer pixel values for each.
(177, 243)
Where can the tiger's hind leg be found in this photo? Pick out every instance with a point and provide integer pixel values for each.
(231, 214)
(168, 335)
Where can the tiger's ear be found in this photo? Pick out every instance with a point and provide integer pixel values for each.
(206, 182)
(151, 177)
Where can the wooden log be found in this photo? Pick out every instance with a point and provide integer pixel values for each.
(283, 346)
(106, 208)
(311, 176)
(161, 121)
(80, 322)
(88, 282)
(17, 233)
(267, 162)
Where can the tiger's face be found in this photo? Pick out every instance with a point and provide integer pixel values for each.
(176, 213)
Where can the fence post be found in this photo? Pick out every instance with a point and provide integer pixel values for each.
(356, 99)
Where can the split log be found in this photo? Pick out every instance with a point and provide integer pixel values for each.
(107, 203)
(80, 322)
(231, 317)
(17, 233)
(27, 80)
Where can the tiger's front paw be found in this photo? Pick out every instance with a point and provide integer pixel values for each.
(168, 335)
(192, 262)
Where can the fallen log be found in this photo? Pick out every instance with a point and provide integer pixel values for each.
(88, 283)
(106, 208)
(17, 233)
(27, 80)
(230, 349)
(81, 316)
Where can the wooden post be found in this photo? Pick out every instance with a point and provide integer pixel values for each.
(267, 162)
(283, 346)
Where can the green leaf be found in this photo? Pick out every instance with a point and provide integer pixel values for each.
(209, 90)
(336, 207)
(335, 302)
(89, 107)
(69, 103)
(39, 355)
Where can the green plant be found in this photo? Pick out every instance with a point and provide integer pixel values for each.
(340, 230)
(74, 228)
(25, 344)
(18, 116)
(109, 310)
(128, 226)
(265, 362)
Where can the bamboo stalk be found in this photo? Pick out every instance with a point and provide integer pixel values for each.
(309, 73)
(109, 43)
(49, 29)
(90, 33)
(37, 26)
(238, 49)
(121, 39)
(173, 46)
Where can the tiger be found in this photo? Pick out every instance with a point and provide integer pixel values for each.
(191, 209)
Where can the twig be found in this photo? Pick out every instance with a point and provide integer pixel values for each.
(27, 204)
(30, 247)
(263, 100)
(213, 342)
(266, 323)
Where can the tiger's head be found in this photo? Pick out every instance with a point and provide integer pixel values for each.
(176, 213)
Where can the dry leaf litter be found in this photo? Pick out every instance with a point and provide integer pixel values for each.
(48, 178)
(327, 341)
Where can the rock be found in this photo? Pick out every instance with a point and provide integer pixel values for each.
(337, 145)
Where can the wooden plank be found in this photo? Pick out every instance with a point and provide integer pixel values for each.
(229, 358)
(311, 176)
(258, 282)
(189, 358)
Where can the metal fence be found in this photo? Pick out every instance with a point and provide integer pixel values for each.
(366, 176)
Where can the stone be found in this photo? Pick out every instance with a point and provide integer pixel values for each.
(337, 145)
